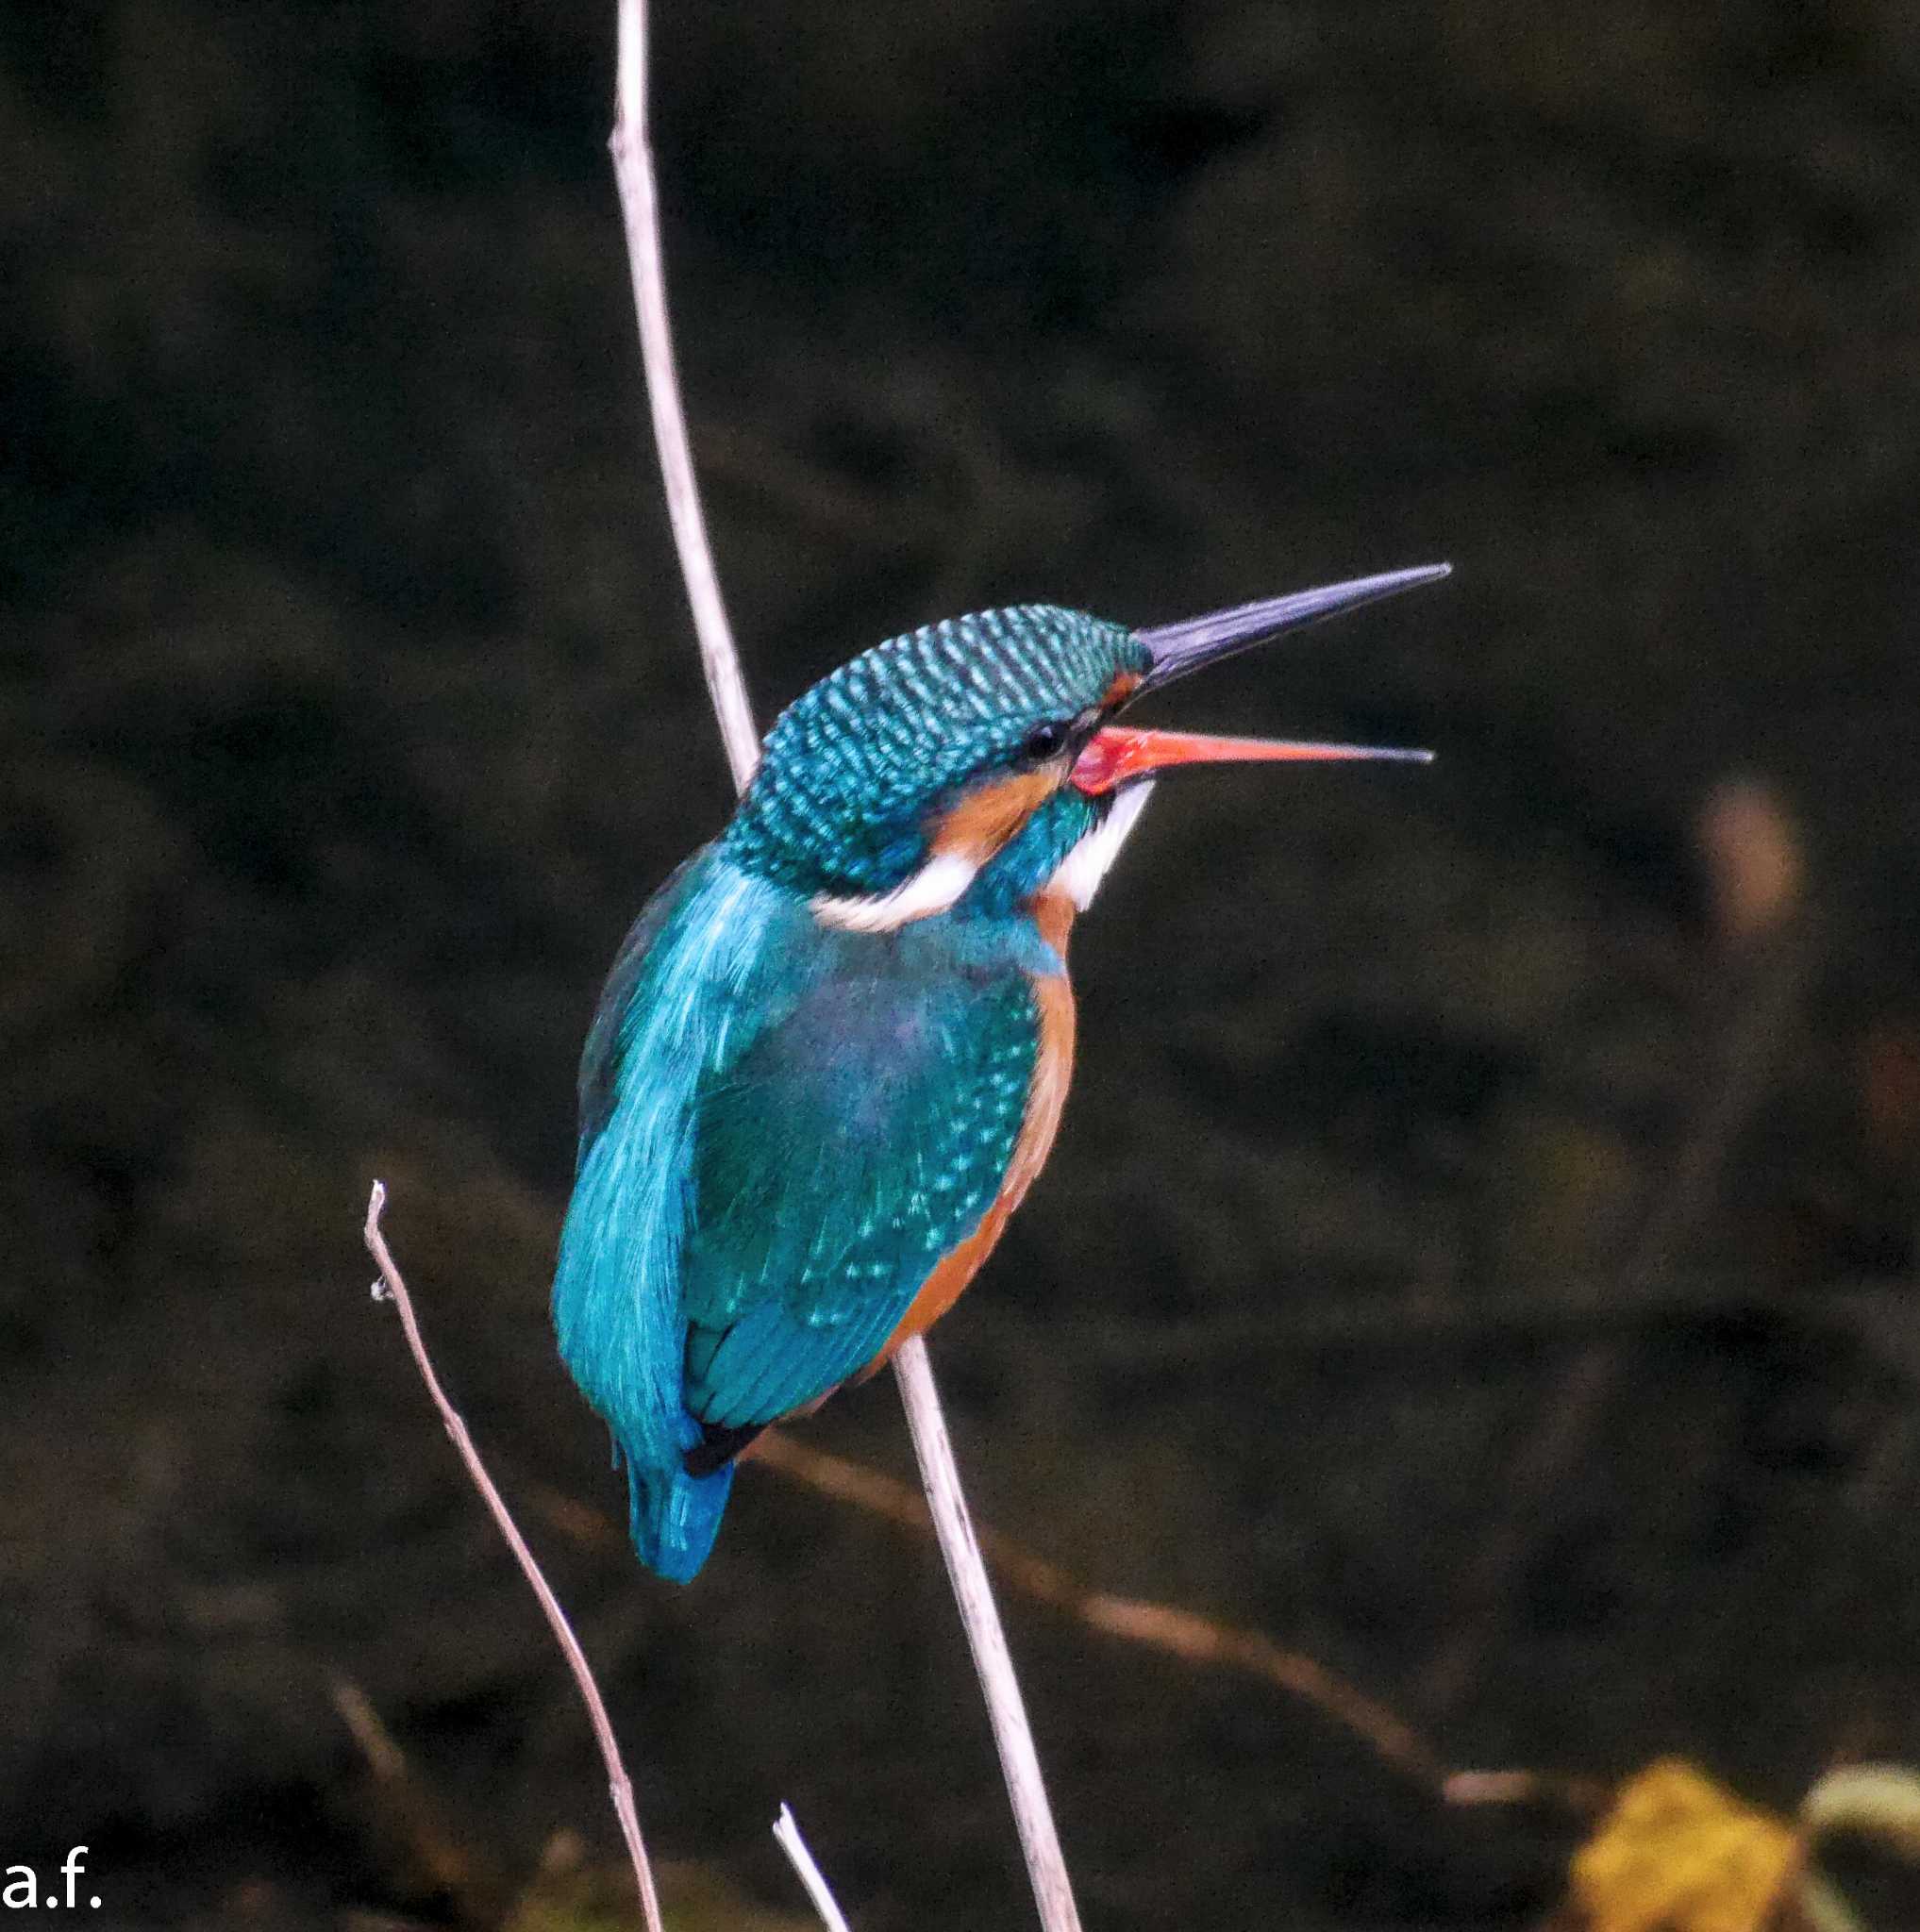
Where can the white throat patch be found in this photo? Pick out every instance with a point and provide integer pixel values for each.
(942, 881)
(1080, 872)
(934, 888)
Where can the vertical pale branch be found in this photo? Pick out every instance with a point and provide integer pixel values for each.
(1052, 1890)
(632, 150)
(392, 1288)
(633, 168)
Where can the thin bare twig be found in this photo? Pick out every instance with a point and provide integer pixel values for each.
(640, 203)
(392, 1287)
(787, 1834)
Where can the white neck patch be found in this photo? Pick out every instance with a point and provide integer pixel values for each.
(1080, 872)
(942, 881)
(934, 888)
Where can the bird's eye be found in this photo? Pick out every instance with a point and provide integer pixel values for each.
(1042, 743)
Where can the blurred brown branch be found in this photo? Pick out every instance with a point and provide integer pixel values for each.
(1179, 1633)
(430, 1856)
(1186, 1635)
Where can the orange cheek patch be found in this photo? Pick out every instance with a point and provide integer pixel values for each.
(1125, 684)
(986, 817)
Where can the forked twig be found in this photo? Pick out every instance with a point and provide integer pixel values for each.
(640, 204)
(392, 1288)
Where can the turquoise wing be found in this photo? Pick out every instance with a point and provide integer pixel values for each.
(676, 1005)
(836, 1160)
(783, 1131)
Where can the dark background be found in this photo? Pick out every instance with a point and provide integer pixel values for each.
(1477, 1252)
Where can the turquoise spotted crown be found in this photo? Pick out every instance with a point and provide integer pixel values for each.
(856, 767)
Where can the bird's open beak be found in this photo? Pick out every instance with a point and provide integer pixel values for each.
(1114, 755)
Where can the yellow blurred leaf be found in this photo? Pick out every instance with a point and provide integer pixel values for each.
(1679, 1854)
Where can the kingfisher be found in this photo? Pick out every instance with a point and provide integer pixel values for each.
(831, 1055)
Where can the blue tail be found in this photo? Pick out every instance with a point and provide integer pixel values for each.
(674, 1517)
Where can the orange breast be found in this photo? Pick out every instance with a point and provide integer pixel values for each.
(1052, 1071)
